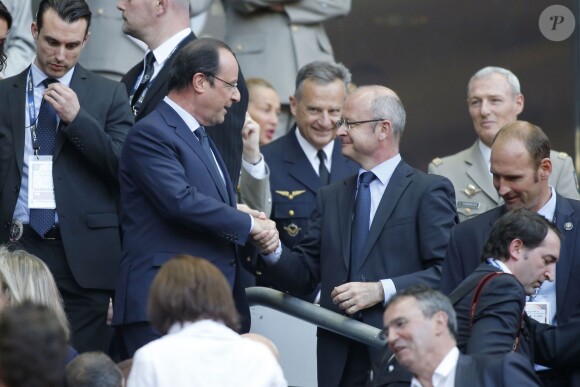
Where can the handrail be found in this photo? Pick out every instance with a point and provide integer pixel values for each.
(314, 314)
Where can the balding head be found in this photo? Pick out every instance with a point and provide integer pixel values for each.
(533, 137)
(154, 22)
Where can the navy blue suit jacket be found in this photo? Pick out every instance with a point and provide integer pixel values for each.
(174, 202)
(406, 243)
(291, 172)
(512, 369)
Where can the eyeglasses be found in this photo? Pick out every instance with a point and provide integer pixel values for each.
(230, 85)
(350, 125)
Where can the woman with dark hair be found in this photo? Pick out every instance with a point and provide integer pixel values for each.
(191, 304)
(5, 25)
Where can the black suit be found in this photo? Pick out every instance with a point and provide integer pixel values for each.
(498, 314)
(85, 165)
(406, 243)
(226, 136)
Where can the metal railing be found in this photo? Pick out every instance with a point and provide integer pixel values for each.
(314, 314)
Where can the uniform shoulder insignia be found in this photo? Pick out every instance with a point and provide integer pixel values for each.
(437, 161)
(562, 155)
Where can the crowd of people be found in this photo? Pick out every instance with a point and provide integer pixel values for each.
(160, 198)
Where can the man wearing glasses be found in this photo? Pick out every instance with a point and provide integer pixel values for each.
(176, 194)
(372, 234)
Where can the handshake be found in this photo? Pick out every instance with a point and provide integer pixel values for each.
(264, 234)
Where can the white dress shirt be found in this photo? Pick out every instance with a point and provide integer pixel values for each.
(444, 375)
(204, 353)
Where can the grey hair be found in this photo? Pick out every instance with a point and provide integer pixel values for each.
(489, 70)
(430, 301)
(390, 107)
(322, 73)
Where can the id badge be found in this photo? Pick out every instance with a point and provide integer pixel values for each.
(40, 184)
(539, 311)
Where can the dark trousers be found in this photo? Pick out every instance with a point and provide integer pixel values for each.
(134, 336)
(86, 309)
(357, 365)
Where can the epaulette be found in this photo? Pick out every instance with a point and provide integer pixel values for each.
(437, 161)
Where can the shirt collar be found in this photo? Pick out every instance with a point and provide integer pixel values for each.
(310, 151)
(38, 76)
(549, 209)
(163, 52)
(190, 120)
(384, 170)
(444, 370)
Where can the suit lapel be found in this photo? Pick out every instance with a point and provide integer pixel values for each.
(78, 85)
(569, 226)
(297, 164)
(345, 210)
(183, 131)
(477, 171)
(17, 115)
(397, 185)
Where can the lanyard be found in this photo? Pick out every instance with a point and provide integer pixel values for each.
(139, 101)
(32, 113)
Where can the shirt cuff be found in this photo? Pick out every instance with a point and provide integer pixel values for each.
(273, 258)
(389, 289)
(258, 170)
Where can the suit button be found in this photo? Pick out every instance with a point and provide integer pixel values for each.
(295, 28)
(291, 212)
(249, 259)
(17, 188)
(6, 225)
(233, 263)
(239, 47)
(258, 272)
(468, 211)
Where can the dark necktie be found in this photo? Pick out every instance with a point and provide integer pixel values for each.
(204, 141)
(42, 220)
(147, 74)
(322, 170)
(360, 223)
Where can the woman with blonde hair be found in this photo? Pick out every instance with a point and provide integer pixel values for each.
(263, 107)
(25, 277)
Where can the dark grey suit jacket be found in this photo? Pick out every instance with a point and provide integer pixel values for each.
(406, 243)
(498, 315)
(85, 165)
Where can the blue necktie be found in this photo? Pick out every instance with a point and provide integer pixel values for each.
(201, 134)
(42, 220)
(360, 223)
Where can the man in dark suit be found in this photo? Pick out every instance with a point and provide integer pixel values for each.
(176, 193)
(421, 327)
(521, 166)
(77, 233)
(394, 235)
(522, 251)
(293, 158)
(165, 28)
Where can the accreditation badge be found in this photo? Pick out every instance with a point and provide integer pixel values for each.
(40, 184)
(539, 311)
